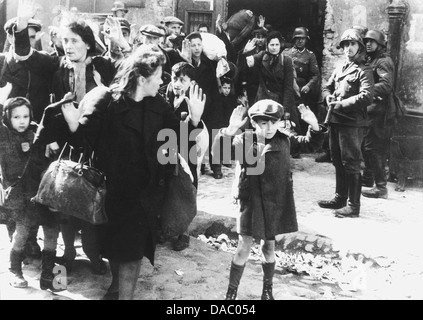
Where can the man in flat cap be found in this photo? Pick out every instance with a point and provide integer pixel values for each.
(173, 27)
(151, 34)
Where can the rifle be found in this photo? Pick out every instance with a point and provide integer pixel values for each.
(329, 114)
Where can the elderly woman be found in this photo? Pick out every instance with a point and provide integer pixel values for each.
(122, 124)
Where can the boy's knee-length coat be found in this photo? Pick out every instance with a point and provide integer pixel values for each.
(267, 206)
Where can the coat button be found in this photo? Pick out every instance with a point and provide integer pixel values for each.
(161, 182)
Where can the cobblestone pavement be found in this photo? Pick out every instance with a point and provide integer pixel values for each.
(376, 256)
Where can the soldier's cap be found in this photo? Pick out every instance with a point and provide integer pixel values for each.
(172, 19)
(10, 25)
(124, 24)
(259, 31)
(152, 31)
(266, 109)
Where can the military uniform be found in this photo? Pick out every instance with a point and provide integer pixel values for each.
(307, 73)
(381, 121)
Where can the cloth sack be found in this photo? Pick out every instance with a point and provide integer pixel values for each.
(213, 47)
(180, 202)
(74, 188)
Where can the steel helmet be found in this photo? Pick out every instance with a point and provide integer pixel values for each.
(119, 5)
(300, 32)
(351, 35)
(377, 36)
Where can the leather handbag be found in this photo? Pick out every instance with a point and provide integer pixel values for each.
(180, 204)
(74, 188)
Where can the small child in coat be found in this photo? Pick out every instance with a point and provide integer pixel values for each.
(20, 166)
(265, 187)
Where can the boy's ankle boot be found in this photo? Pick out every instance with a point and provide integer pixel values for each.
(235, 276)
(47, 277)
(17, 280)
(231, 293)
(268, 272)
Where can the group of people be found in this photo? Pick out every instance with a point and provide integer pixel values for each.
(114, 91)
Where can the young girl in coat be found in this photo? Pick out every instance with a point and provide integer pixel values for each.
(21, 164)
(265, 189)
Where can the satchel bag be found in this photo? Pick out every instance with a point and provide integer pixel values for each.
(74, 188)
(180, 203)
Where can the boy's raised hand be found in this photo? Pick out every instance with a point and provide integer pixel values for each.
(196, 102)
(237, 120)
(186, 51)
(308, 116)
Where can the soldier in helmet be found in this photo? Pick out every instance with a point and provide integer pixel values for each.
(347, 94)
(119, 9)
(381, 116)
(307, 69)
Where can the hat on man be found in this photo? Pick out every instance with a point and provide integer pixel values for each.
(171, 19)
(266, 109)
(259, 31)
(119, 5)
(11, 24)
(152, 31)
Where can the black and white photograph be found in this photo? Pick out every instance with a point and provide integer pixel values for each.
(190, 152)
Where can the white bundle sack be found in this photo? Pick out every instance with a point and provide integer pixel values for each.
(213, 47)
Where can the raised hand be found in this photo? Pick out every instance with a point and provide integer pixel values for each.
(26, 10)
(186, 51)
(237, 120)
(133, 34)
(308, 116)
(261, 21)
(250, 46)
(113, 32)
(218, 26)
(196, 102)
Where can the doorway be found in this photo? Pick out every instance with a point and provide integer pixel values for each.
(286, 15)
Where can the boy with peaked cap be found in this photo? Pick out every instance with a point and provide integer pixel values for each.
(265, 187)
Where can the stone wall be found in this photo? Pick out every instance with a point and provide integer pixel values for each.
(411, 69)
(344, 14)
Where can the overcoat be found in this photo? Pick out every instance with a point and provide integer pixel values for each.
(267, 206)
(124, 136)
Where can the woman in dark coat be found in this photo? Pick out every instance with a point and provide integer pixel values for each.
(265, 187)
(77, 72)
(276, 74)
(122, 125)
